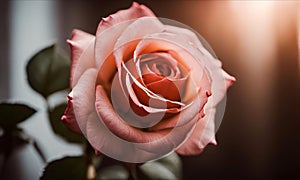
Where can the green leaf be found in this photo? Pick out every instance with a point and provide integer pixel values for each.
(12, 114)
(58, 126)
(74, 168)
(113, 172)
(169, 167)
(48, 71)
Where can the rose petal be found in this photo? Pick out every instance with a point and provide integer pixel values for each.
(69, 117)
(173, 45)
(130, 112)
(201, 61)
(125, 45)
(79, 43)
(178, 48)
(130, 34)
(187, 34)
(149, 63)
(198, 104)
(154, 98)
(113, 121)
(220, 79)
(84, 98)
(119, 101)
(173, 139)
(203, 134)
(166, 88)
(134, 12)
(150, 77)
(179, 84)
(129, 78)
(110, 29)
(193, 38)
(212, 68)
(229, 79)
(103, 140)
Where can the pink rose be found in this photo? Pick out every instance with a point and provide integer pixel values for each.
(142, 89)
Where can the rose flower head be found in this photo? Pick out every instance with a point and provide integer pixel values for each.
(142, 89)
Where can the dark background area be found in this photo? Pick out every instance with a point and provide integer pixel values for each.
(258, 43)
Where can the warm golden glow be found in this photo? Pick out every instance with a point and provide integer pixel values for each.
(256, 6)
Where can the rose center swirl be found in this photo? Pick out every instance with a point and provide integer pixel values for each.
(152, 84)
(161, 64)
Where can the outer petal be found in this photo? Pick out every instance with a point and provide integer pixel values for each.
(203, 96)
(109, 30)
(220, 79)
(228, 79)
(105, 141)
(69, 117)
(102, 140)
(134, 12)
(79, 43)
(145, 26)
(187, 34)
(205, 130)
(203, 134)
(111, 145)
(84, 98)
(117, 125)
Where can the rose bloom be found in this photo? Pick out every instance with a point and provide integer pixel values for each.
(142, 89)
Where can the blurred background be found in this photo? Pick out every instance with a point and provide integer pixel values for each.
(257, 41)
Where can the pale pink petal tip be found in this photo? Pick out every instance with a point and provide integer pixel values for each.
(135, 11)
(213, 142)
(69, 118)
(135, 4)
(79, 41)
(228, 78)
(80, 38)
